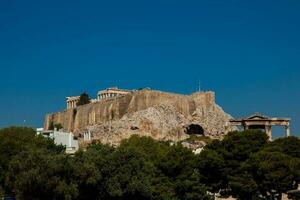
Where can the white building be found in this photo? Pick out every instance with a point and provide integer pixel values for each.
(61, 138)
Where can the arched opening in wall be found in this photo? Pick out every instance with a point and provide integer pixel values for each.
(194, 129)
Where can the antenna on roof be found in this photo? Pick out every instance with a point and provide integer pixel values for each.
(199, 86)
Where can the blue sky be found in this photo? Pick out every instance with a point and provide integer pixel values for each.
(248, 52)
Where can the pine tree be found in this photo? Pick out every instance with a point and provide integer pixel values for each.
(84, 99)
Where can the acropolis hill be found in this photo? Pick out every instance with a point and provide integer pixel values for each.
(114, 115)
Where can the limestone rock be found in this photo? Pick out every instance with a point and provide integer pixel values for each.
(161, 115)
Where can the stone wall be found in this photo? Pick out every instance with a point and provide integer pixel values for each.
(153, 113)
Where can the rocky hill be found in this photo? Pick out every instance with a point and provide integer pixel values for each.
(161, 115)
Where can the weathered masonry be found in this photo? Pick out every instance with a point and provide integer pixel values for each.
(259, 121)
(103, 94)
(162, 115)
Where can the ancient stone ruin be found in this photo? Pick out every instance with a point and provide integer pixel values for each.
(161, 115)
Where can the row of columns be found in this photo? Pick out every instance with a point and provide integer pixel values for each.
(87, 136)
(71, 104)
(268, 130)
(107, 95)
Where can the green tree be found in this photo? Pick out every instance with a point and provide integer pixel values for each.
(287, 145)
(222, 159)
(274, 169)
(174, 175)
(12, 141)
(274, 172)
(212, 164)
(238, 146)
(242, 183)
(179, 165)
(83, 99)
(33, 167)
(39, 174)
(58, 126)
(89, 171)
(154, 152)
(15, 140)
(130, 175)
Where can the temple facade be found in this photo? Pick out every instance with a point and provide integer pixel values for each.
(259, 121)
(72, 102)
(112, 92)
(103, 94)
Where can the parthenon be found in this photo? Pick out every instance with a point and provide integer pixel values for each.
(112, 92)
(103, 94)
(259, 121)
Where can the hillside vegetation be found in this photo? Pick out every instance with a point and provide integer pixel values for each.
(244, 164)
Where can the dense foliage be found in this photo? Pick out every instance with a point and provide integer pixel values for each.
(249, 166)
(16, 141)
(243, 164)
(84, 99)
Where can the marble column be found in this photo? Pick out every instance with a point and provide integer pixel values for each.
(287, 131)
(70, 140)
(269, 131)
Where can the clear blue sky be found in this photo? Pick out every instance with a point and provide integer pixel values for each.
(248, 52)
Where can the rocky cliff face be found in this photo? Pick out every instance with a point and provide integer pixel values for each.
(163, 116)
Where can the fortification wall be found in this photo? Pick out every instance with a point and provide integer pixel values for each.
(115, 108)
(161, 115)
